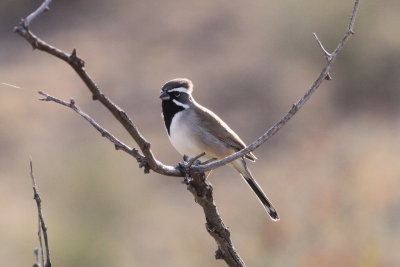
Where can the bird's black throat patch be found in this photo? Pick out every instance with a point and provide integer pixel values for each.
(169, 109)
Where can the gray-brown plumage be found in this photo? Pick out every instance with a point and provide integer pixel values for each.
(194, 129)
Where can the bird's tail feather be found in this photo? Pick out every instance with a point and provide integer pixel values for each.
(242, 168)
(263, 198)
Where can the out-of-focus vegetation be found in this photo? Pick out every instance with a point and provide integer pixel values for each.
(332, 172)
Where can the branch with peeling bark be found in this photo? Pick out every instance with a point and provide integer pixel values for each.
(191, 168)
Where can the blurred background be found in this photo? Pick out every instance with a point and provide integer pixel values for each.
(332, 171)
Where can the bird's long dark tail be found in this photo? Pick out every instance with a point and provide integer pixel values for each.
(245, 172)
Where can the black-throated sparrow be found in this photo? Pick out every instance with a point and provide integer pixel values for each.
(194, 129)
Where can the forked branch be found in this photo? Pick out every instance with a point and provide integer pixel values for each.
(295, 107)
(203, 195)
(117, 143)
(78, 65)
(198, 186)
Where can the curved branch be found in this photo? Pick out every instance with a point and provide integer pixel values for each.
(293, 110)
(201, 190)
(42, 8)
(117, 143)
(78, 65)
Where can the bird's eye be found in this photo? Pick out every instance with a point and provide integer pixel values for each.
(177, 94)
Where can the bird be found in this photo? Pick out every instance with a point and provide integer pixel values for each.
(194, 129)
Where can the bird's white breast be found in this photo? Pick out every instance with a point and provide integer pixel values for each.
(183, 137)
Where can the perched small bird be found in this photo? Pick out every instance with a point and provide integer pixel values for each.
(194, 129)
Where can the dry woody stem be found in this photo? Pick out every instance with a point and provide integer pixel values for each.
(200, 188)
(42, 232)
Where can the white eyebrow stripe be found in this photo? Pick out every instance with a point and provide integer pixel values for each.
(179, 89)
(185, 106)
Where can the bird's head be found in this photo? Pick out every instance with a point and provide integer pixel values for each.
(178, 91)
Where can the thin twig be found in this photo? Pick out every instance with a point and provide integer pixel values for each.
(293, 110)
(40, 234)
(327, 55)
(42, 8)
(42, 226)
(208, 161)
(121, 116)
(117, 143)
(78, 65)
(215, 226)
(192, 160)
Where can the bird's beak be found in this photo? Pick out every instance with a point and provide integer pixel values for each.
(164, 95)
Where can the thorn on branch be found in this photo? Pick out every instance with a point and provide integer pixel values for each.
(22, 28)
(73, 54)
(193, 160)
(46, 96)
(18, 29)
(143, 164)
(147, 169)
(293, 109)
(75, 60)
(146, 145)
(328, 56)
(36, 197)
(219, 255)
(35, 44)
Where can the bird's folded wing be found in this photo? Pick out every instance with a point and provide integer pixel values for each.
(223, 132)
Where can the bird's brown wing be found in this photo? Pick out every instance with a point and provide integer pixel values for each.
(218, 128)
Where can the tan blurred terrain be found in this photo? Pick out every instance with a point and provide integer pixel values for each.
(332, 172)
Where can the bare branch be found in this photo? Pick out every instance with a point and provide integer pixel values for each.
(203, 195)
(78, 65)
(188, 162)
(326, 53)
(293, 110)
(42, 8)
(199, 187)
(42, 226)
(117, 143)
